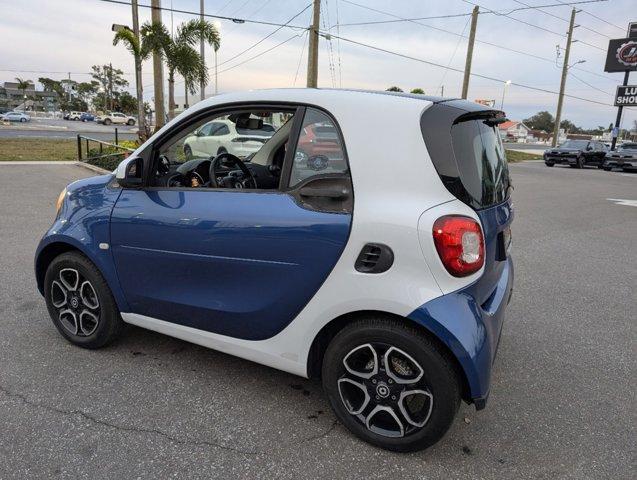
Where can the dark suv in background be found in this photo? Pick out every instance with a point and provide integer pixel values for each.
(625, 157)
(577, 154)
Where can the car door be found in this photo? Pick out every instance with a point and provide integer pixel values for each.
(241, 263)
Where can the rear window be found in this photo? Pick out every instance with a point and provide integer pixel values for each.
(480, 163)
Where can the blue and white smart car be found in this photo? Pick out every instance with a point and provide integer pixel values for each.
(377, 261)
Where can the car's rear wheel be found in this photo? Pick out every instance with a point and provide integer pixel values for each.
(80, 302)
(130, 122)
(107, 121)
(23, 120)
(391, 385)
(188, 152)
(549, 164)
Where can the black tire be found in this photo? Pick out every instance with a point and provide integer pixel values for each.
(549, 164)
(108, 325)
(131, 122)
(600, 166)
(607, 169)
(107, 121)
(188, 152)
(221, 150)
(23, 120)
(439, 378)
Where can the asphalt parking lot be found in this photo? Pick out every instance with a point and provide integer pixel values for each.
(562, 404)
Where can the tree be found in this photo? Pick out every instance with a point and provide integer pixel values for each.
(541, 121)
(568, 126)
(394, 89)
(179, 53)
(126, 103)
(111, 80)
(23, 85)
(133, 44)
(418, 91)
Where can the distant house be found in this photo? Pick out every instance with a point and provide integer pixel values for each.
(511, 131)
(12, 97)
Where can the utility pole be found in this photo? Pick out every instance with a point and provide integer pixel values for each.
(202, 50)
(472, 38)
(139, 88)
(442, 90)
(216, 74)
(69, 89)
(560, 98)
(312, 57)
(158, 72)
(110, 86)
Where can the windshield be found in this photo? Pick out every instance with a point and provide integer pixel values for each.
(575, 144)
(481, 162)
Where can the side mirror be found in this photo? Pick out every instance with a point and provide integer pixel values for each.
(199, 133)
(129, 173)
(589, 148)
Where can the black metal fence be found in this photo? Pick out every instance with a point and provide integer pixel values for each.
(103, 154)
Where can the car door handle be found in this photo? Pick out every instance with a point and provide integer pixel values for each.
(329, 192)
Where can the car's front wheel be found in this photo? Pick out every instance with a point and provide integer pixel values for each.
(549, 164)
(391, 385)
(80, 302)
(23, 120)
(107, 121)
(130, 122)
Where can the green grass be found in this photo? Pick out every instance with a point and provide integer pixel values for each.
(20, 149)
(515, 156)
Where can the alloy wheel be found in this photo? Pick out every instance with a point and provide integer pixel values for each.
(384, 388)
(76, 302)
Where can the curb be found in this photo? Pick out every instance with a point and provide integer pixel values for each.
(92, 167)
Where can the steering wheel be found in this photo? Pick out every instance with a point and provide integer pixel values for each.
(247, 180)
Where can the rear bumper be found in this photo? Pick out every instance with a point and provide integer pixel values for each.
(470, 330)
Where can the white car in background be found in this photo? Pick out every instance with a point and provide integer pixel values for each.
(115, 118)
(242, 139)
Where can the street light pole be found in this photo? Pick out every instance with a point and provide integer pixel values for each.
(139, 88)
(504, 91)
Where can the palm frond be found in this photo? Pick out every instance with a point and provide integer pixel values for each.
(194, 30)
(130, 40)
(155, 39)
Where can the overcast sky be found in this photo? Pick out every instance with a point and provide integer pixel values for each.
(58, 36)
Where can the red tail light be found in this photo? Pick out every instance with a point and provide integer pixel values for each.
(460, 244)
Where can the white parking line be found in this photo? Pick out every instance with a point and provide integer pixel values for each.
(622, 201)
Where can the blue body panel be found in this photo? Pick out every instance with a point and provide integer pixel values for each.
(237, 263)
(83, 223)
(469, 321)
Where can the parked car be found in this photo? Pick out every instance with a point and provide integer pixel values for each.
(625, 157)
(4, 110)
(16, 117)
(577, 154)
(74, 116)
(115, 118)
(242, 139)
(87, 117)
(395, 300)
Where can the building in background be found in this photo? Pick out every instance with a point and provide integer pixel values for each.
(511, 131)
(12, 98)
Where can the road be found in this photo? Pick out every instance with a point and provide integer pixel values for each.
(562, 403)
(57, 128)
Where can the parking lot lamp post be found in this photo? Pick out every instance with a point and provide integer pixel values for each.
(504, 91)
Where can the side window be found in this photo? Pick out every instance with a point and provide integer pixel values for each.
(221, 130)
(319, 149)
(252, 156)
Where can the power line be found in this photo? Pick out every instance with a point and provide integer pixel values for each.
(484, 42)
(597, 17)
(263, 52)
(455, 15)
(444, 75)
(298, 67)
(266, 37)
(561, 18)
(588, 84)
(486, 77)
(209, 15)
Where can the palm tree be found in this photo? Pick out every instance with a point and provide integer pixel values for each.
(135, 47)
(179, 53)
(23, 85)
